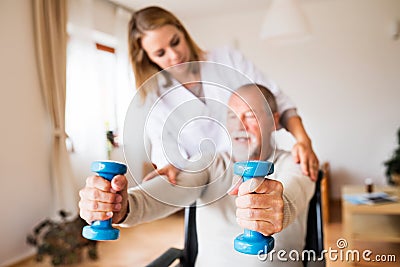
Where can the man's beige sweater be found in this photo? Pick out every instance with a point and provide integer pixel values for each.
(216, 220)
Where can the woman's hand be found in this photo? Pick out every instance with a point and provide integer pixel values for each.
(259, 205)
(303, 153)
(102, 199)
(169, 170)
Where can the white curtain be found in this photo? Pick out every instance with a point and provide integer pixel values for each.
(84, 112)
(50, 43)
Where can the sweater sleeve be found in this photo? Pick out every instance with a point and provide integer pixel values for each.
(157, 198)
(298, 189)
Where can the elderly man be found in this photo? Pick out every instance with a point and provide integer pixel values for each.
(275, 205)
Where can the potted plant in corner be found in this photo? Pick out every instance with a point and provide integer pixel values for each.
(62, 241)
(393, 165)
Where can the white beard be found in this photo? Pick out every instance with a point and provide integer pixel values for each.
(244, 146)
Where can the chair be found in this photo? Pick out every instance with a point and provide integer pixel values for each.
(315, 225)
(187, 255)
(325, 192)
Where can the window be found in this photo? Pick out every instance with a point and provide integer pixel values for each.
(94, 112)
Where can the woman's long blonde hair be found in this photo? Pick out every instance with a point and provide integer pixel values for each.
(148, 19)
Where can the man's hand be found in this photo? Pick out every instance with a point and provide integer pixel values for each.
(102, 199)
(303, 153)
(259, 205)
(169, 170)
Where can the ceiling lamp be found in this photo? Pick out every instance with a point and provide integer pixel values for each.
(285, 20)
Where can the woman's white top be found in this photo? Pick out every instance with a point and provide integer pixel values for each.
(180, 125)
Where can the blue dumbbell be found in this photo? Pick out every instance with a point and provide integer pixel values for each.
(103, 230)
(252, 242)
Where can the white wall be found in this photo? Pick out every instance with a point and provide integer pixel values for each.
(345, 80)
(25, 194)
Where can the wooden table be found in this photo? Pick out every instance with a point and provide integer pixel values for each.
(371, 223)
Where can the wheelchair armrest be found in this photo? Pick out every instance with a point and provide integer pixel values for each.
(167, 258)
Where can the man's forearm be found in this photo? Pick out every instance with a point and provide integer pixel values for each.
(157, 198)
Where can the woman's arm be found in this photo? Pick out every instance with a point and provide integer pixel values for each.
(302, 151)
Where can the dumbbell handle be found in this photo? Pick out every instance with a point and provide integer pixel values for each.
(103, 230)
(252, 242)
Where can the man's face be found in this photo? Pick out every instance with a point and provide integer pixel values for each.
(250, 124)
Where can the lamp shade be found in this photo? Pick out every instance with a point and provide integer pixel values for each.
(284, 20)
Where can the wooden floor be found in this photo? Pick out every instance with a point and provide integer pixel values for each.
(141, 244)
(136, 246)
(334, 232)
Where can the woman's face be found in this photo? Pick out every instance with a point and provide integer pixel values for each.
(166, 46)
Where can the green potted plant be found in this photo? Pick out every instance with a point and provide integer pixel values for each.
(62, 240)
(393, 165)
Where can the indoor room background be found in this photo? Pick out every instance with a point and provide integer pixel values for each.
(344, 78)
